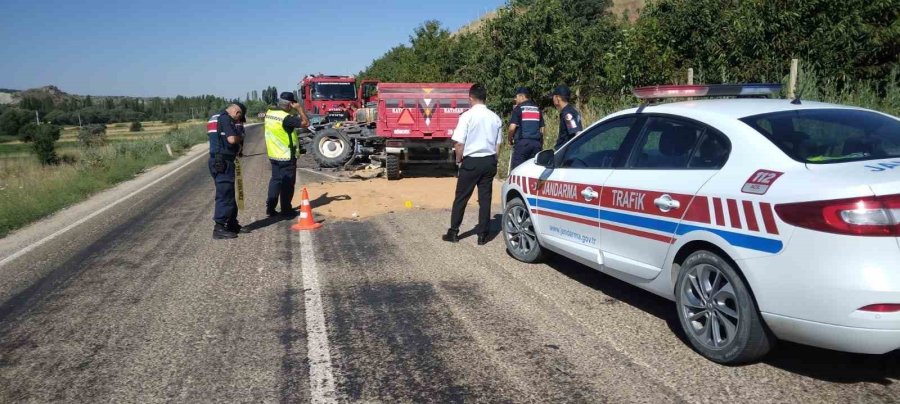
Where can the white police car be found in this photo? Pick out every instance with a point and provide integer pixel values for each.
(760, 218)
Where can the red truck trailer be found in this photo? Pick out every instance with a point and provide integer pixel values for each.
(411, 123)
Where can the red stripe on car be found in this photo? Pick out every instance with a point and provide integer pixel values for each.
(588, 222)
(720, 213)
(733, 214)
(698, 211)
(638, 233)
(768, 218)
(750, 214)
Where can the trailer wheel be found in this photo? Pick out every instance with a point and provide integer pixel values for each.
(330, 148)
(392, 166)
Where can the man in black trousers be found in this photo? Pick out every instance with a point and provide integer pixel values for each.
(477, 139)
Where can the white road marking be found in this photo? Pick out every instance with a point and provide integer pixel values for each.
(62, 231)
(321, 378)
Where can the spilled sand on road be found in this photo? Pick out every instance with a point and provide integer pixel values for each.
(379, 196)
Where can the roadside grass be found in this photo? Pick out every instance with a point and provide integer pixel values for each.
(29, 191)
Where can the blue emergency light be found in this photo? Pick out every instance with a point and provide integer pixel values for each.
(711, 90)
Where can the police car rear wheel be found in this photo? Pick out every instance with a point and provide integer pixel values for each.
(717, 311)
(330, 148)
(518, 231)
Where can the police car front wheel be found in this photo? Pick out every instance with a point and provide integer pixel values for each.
(717, 311)
(518, 231)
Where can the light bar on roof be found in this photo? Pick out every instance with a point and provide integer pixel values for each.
(711, 90)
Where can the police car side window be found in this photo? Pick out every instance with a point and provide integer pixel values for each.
(667, 144)
(711, 153)
(598, 147)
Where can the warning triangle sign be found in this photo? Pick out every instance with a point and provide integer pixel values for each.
(406, 118)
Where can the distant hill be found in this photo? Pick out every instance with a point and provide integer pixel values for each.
(54, 93)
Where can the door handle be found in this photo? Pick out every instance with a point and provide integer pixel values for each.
(665, 203)
(588, 194)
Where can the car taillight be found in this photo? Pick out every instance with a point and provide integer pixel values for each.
(882, 308)
(870, 216)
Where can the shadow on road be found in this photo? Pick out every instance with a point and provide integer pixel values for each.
(266, 222)
(817, 363)
(324, 199)
(493, 228)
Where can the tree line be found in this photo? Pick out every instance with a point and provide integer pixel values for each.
(601, 56)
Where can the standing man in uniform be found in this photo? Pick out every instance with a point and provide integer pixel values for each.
(239, 125)
(224, 146)
(569, 117)
(526, 128)
(282, 148)
(477, 139)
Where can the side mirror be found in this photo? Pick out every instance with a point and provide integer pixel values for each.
(545, 158)
(303, 93)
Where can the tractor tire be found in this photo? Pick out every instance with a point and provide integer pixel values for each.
(330, 148)
(392, 167)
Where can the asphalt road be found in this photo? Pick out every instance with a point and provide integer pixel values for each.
(141, 305)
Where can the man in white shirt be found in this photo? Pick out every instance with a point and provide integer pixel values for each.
(477, 137)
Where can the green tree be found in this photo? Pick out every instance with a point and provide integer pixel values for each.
(44, 146)
(92, 135)
(14, 119)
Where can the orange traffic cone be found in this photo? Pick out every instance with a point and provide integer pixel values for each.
(306, 221)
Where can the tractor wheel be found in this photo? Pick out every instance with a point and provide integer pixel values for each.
(392, 166)
(330, 148)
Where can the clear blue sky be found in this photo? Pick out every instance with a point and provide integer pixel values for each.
(193, 47)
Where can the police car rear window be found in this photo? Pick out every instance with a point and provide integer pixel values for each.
(822, 136)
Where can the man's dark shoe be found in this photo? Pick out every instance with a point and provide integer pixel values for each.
(482, 239)
(220, 232)
(452, 236)
(236, 228)
(289, 213)
(271, 212)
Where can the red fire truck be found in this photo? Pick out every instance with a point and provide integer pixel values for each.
(335, 98)
(396, 124)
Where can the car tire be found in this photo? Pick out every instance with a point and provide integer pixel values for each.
(392, 167)
(330, 148)
(519, 234)
(717, 311)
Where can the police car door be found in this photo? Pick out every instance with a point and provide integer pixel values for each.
(568, 196)
(644, 201)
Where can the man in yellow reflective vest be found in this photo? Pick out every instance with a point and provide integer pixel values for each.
(282, 148)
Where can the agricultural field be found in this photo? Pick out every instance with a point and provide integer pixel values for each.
(29, 190)
(68, 143)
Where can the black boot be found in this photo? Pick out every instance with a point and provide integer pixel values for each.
(220, 232)
(482, 239)
(271, 212)
(451, 236)
(236, 228)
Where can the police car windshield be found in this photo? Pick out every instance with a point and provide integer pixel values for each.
(334, 91)
(822, 136)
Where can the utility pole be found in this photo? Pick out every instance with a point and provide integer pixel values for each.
(792, 82)
(37, 118)
(79, 120)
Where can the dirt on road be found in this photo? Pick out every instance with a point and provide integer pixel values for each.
(365, 199)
